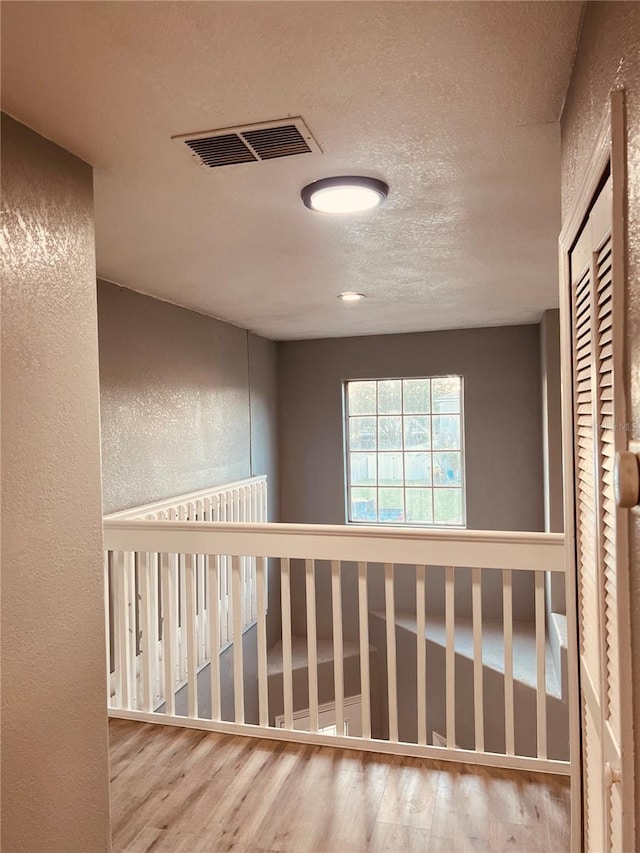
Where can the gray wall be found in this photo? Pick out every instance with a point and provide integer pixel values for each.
(178, 411)
(501, 370)
(55, 773)
(608, 57)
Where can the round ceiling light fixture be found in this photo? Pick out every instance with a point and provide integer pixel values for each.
(351, 296)
(345, 194)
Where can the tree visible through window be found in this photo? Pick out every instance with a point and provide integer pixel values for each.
(404, 449)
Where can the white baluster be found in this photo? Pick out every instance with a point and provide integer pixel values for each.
(312, 648)
(238, 677)
(107, 622)
(421, 675)
(478, 671)
(450, 655)
(392, 677)
(148, 646)
(254, 503)
(225, 572)
(287, 655)
(168, 564)
(213, 605)
(130, 574)
(242, 518)
(263, 694)
(541, 682)
(182, 606)
(201, 598)
(338, 650)
(199, 569)
(363, 619)
(189, 629)
(507, 620)
(155, 617)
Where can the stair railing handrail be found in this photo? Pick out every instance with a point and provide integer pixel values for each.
(472, 548)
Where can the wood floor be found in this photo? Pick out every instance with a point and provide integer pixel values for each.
(186, 791)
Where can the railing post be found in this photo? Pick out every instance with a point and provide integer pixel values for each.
(541, 685)
(507, 621)
(238, 675)
(190, 629)
(450, 656)
(169, 626)
(363, 620)
(213, 603)
(287, 656)
(478, 668)
(421, 656)
(263, 692)
(338, 649)
(108, 615)
(148, 645)
(312, 649)
(392, 677)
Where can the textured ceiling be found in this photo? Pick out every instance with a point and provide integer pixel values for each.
(454, 104)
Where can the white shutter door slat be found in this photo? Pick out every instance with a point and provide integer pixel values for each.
(597, 545)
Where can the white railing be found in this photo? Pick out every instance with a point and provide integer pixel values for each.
(134, 586)
(345, 595)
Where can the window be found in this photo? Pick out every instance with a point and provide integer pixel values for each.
(404, 441)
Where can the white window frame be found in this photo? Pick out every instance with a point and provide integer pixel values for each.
(346, 453)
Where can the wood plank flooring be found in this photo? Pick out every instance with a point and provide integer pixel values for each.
(186, 791)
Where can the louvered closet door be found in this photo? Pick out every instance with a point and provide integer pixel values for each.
(600, 543)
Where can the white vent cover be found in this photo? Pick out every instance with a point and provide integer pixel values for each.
(251, 143)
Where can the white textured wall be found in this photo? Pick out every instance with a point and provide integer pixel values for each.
(54, 723)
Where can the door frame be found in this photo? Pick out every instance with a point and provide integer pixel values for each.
(609, 151)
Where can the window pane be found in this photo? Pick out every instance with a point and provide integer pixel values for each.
(362, 433)
(362, 398)
(390, 473)
(363, 469)
(446, 432)
(391, 505)
(390, 397)
(447, 469)
(419, 507)
(363, 505)
(390, 433)
(447, 506)
(417, 433)
(405, 452)
(417, 469)
(416, 396)
(445, 394)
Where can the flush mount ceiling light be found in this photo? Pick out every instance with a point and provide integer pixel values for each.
(345, 194)
(351, 296)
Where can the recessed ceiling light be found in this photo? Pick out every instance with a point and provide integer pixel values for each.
(347, 194)
(351, 296)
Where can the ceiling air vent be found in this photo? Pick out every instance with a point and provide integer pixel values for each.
(251, 143)
(221, 150)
